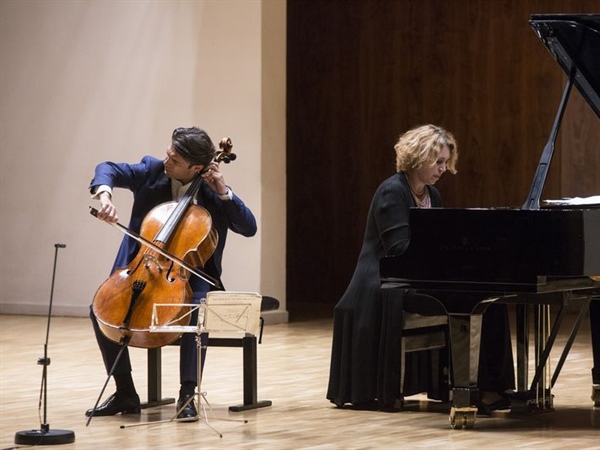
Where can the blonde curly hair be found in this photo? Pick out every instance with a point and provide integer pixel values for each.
(422, 145)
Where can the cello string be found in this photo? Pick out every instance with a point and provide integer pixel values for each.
(164, 253)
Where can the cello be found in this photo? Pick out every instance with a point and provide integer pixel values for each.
(176, 238)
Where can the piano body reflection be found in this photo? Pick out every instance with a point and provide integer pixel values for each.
(527, 256)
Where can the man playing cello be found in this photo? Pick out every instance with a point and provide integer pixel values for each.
(154, 181)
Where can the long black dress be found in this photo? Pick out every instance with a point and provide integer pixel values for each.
(356, 363)
(365, 357)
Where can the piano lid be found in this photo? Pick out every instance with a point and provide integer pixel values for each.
(574, 42)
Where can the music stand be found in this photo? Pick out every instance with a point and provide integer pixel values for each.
(222, 313)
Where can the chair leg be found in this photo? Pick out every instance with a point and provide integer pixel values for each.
(250, 377)
(155, 381)
(434, 356)
(400, 404)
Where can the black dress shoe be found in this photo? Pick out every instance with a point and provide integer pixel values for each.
(189, 412)
(486, 409)
(116, 404)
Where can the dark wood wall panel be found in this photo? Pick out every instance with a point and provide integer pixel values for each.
(361, 72)
(580, 158)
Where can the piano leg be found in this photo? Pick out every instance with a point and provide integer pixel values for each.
(595, 332)
(465, 334)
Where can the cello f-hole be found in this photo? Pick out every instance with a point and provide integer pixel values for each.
(170, 278)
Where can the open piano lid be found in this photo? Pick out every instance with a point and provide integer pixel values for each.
(574, 42)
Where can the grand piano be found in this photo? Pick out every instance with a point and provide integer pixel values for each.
(533, 255)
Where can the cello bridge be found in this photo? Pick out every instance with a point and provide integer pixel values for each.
(151, 258)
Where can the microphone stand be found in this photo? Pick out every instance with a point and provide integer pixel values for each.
(45, 436)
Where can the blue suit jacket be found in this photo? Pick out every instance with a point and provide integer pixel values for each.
(151, 187)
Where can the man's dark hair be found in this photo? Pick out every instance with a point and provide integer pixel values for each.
(194, 145)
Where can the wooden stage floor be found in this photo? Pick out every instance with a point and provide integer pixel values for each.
(293, 365)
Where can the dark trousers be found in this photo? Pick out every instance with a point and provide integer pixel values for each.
(496, 364)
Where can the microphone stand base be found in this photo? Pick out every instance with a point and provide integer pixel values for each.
(44, 437)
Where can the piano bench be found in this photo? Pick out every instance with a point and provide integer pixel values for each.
(423, 332)
(250, 366)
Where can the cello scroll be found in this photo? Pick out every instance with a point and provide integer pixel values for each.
(225, 154)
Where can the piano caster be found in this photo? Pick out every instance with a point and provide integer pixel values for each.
(596, 395)
(462, 417)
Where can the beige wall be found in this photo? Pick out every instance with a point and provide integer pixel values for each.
(85, 81)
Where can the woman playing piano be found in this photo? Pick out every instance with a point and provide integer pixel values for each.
(423, 155)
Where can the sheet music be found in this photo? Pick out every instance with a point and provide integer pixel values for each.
(232, 312)
(575, 201)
